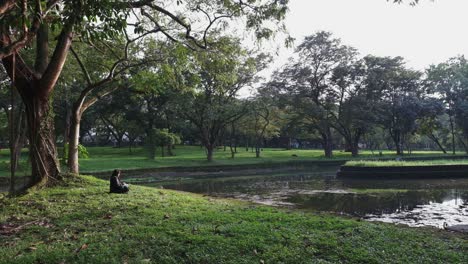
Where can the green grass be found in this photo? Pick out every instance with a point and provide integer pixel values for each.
(82, 223)
(365, 163)
(108, 158)
(377, 191)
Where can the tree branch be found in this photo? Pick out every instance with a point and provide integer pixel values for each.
(82, 66)
(57, 61)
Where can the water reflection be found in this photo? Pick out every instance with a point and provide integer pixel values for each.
(412, 202)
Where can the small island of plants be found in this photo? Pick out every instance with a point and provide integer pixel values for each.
(401, 168)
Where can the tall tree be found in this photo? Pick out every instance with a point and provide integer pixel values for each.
(213, 104)
(398, 93)
(310, 80)
(448, 81)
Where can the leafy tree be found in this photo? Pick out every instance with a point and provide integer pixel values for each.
(431, 123)
(398, 93)
(162, 138)
(312, 78)
(448, 81)
(354, 113)
(213, 104)
(263, 120)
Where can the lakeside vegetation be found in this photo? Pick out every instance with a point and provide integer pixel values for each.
(82, 223)
(108, 158)
(402, 163)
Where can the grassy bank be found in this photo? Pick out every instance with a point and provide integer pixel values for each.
(108, 158)
(82, 223)
(365, 163)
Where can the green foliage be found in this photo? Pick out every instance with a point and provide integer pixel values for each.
(393, 163)
(82, 152)
(160, 137)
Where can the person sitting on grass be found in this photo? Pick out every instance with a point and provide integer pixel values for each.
(116, 186)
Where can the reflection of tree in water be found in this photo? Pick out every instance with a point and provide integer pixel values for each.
(293, 188)
(252, 185)
(406, 184)
(381, 203)
(463, 195)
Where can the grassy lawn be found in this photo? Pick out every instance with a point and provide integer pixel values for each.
(364, 163)
(82, 223)
(108, 158)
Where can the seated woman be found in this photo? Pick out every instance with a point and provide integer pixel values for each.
(116, 186)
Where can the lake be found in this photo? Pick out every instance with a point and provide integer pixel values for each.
(431, 202)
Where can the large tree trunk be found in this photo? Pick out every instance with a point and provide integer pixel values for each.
(16, 144)
(169, 149)
(452, 131)
(398, 148)
(327, 143)
(328, 149)
(233, 151)
(67, 131)
(355, 143)
(209, 153)
(35, 87)
(73, 155)
(43, 152)
(396, 136)
(354, 149)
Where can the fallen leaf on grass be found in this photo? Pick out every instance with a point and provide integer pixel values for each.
(107, 216)
(12, 228)
(31, 248)
(13, 218)
(45, 223)
(8, 229)
(83, 247)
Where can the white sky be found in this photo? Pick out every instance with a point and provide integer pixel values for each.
(426, 34)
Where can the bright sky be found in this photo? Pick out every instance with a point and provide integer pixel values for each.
(426, 34)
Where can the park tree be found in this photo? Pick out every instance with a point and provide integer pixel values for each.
(49, 27)
(397, 92)
(102, 69)
(353, 113)
(263, 120)
(213, 103)
(106, 69)
(310, 79)
(431, 124)
(448, 81)
(156, 89)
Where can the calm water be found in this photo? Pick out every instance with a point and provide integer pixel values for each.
(412, 202)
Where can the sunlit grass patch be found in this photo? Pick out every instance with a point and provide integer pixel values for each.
(394, 163)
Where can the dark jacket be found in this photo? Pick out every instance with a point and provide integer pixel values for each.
(116, 186)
